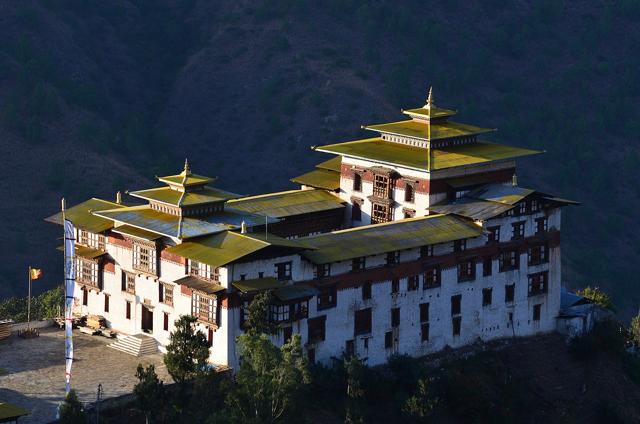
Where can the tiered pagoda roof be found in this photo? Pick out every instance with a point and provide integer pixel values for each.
(427, 142)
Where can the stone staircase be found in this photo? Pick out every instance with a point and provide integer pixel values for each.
(136, 345)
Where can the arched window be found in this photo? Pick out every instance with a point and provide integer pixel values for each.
(409, 193)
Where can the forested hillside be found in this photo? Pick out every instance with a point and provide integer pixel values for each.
(101, 96)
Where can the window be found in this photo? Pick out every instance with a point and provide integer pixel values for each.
(316, 329)
(144, 257)
(536, 311)
(459, 245)
(456, 323)
(432, 277)
(393, 258)
(388, 340)
(542, 225)
(357, 264)
(426, 251)
(535, 205)
(456, 304)
(323, 270)
(85, 296)
(509, 293)
(87, 272)
(327, 297)
(409, 193)
(413, 282)
(408, 213)
(356, 211)
(487, 265)
(395, 317)
(522, 208)
(204, 308)
(424, 312)
(466, 271)
(357, 182)
(517, 230)
(243, 277)
(210, 338)
(289, 312)
(487, 294)
(424, 331)
(165, 322)
(283, 271)
(362, 322)
(381, 186)
(380, 213)
(165, 294)
(261, 274)
(509, 260)
(366, 291)
(128, 310)
(106, 302)
(91, 239)
(538, 283)
(311, 355)
(129, 282)
(349, 348)
(204, 271)
(83, 237)
(395, 286)
(493, 235)
(538, 254)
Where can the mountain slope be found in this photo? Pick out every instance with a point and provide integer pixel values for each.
(109, 95)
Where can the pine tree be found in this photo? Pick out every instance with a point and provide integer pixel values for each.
(150, 394)
(187, 351)
(71, 411)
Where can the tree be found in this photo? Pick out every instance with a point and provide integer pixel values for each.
(71, 411)
(258, 320)
(597, 296)
(422, 403)
(269, 379)
(187, 351)
(150, 393)
(355, 392)
(634, 330)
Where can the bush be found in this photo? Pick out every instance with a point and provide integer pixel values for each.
(44, 306)
(597, 296)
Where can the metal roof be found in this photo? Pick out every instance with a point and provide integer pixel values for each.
(288, 203)
(257, 284)
(319, 178)
(81, 215)
(89, 252)
(432, 112)
(128, 230)
(295, 292)
(392, 236)
(198, 284)
(145, 218)
(332, 164)
(376, 149)
(472, 208)
(507, 194)
(189, 198)
(428, 131)
(9, 411)
(226, 247)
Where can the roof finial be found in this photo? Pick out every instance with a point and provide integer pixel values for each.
(430, 98)
(186, 166)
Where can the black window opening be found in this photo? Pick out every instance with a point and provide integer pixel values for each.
(487, 295)
(283, 271)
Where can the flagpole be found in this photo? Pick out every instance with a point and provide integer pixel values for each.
(29, 302)
(64, 252)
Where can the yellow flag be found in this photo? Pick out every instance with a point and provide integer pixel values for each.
(36, 273)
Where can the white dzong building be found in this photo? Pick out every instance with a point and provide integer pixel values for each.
(407, 242)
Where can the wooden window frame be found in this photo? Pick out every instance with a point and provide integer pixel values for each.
(392, 258)
(381, 213)
(456, 324)
(357, 182)
(542, 225)
(395, 286)
(284, 270)
(366, 290)
(204, 308)
(145, 257)
(493, 235)
(413, 282)
(426, 251)
(316, 329)
(509, 260)
(466, 271)
(517, 230)
(322, 271)
(538, 283)
(409, 193)
(509, 293)
(87, 272)
(459, 245)
(395, 317)
(424, 312)
(106, 303)
(487, 266)
(538, 254)
(432, 277)
(327, 298)
(537, 312)
(456, 305)
(165, 321)
(381, 185)
(127, 312)
(358, 264)
(362, 322)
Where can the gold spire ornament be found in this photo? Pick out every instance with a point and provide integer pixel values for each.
(186, 167)
(429, 99)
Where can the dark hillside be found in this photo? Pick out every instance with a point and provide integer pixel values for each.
(99, 96)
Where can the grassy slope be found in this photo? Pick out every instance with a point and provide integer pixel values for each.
(142, 84)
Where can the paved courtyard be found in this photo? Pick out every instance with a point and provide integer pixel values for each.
(34, 368)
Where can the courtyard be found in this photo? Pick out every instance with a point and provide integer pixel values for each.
(32, 371)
